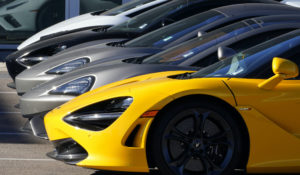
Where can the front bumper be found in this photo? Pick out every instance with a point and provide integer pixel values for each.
(31, 103)
(120, 147)
(25, 83)
(13, 67)
(36, 126)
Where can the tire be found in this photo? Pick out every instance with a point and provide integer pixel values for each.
(176, 147)
(50, 13)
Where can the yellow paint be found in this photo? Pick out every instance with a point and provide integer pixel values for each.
(271, 116)
(283, 69)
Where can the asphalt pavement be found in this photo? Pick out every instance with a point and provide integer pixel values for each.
(20, 152)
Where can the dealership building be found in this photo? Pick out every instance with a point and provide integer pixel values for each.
(20, 19)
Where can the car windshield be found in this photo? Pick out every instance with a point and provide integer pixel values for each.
(126, 7)
(249, 61)
(146, 20)
(162, 37)
(178, 54)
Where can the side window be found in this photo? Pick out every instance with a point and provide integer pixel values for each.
(228, 23)
(192, 9)
(243, 45)
(257, 39)
(293, 55)
(208, 60)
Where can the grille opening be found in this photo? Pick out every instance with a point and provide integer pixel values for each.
(117, 44)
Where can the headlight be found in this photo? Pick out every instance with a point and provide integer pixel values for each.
(99, 116)
(30, 61)
(75, 87)
(69, 66)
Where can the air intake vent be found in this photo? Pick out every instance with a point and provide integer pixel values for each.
(101, 29)
(117, 44)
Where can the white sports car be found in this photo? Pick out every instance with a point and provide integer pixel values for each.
(29, 15)
(109, 18)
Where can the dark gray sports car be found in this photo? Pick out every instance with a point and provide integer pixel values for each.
(143, 46)
(191, 55)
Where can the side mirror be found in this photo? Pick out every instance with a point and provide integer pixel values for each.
(283, 69)
(224, 52)
(200, 33)
(167, 21)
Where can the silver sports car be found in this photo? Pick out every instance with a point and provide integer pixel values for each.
(143, 46)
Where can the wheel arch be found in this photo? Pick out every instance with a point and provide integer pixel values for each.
(209, 99)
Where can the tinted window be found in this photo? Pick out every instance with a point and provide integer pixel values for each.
(161, 37)
(181, 53)
(242, 45)
(253, 61)
(143, 21)
(257, 39)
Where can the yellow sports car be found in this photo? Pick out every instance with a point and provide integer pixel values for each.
(236, 114)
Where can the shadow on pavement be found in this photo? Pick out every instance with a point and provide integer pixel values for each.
(118, 173)
(153, 173)
(11, 120)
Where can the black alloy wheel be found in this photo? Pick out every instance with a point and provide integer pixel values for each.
(197, 138)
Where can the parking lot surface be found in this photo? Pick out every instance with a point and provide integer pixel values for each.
(20, 152)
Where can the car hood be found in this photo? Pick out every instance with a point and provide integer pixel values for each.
(44, 47)
(82, 21)
(97, 54)
(108, 73)
(142, 90)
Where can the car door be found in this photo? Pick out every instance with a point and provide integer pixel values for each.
(281, 104)
(272, 116)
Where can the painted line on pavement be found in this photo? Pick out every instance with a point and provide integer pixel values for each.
(22, 159)
(8, 92)
(13, 133)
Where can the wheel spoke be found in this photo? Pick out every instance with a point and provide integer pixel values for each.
(206, 166)
(180, 160)
(181, 168)
(212, 164)
(180, 133)
(204, 118)
(218, 138)
(209, 166)
(199, 122)
(179, 136)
